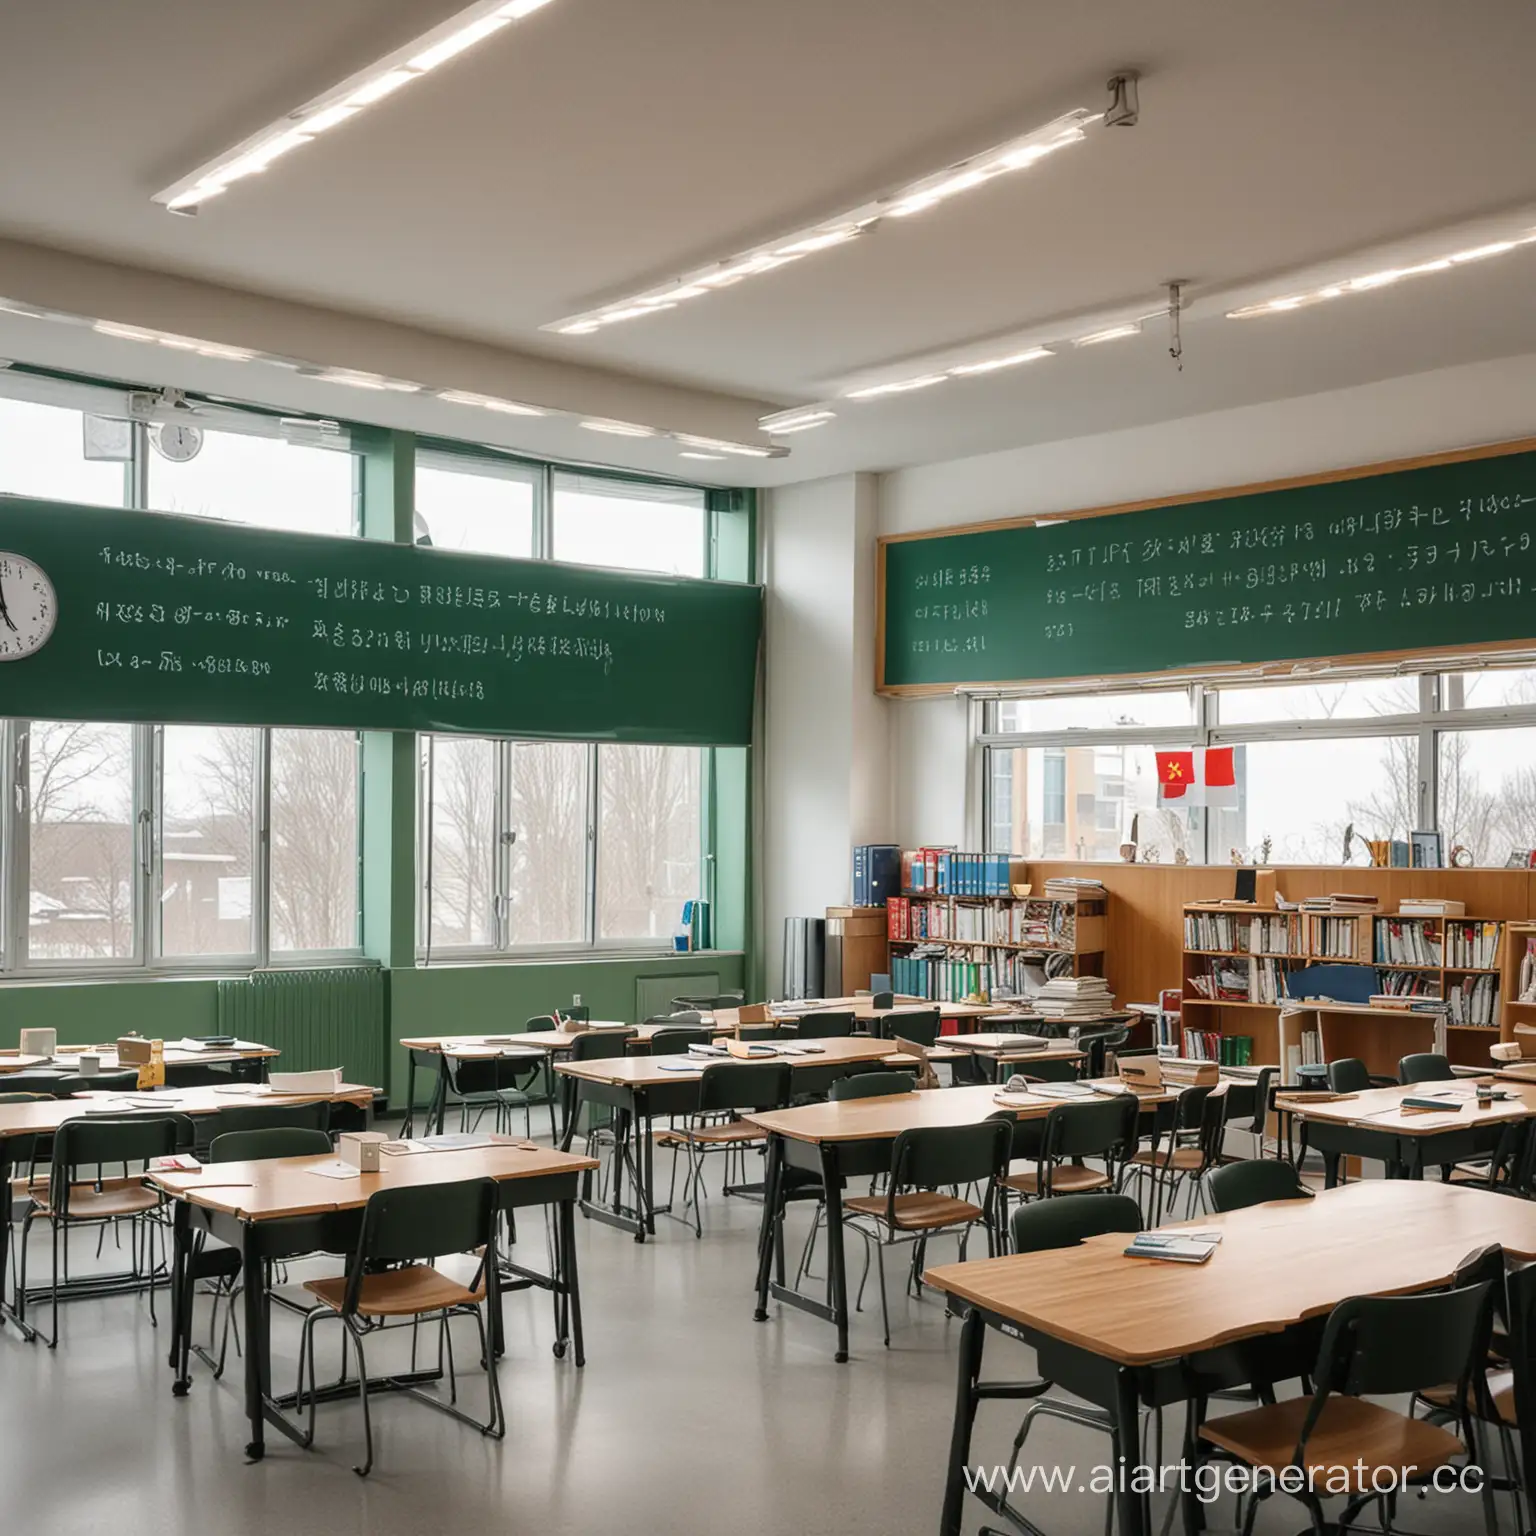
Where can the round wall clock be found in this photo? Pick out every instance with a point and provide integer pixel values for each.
(28, 607)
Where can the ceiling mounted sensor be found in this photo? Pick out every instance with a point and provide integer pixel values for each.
(905, 201)
(343, 101)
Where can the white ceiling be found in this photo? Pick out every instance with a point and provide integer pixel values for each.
(605, 144)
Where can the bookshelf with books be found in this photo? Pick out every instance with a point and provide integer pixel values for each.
(1444, 954)
(1518, 974)
(967, 919)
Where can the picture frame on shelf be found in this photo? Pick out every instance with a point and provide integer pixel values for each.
(1428, 850)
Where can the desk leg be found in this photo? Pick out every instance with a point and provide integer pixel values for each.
(1330, 1170)
(773, 1216)
(258, 1346)
(645, 1170)
(409, 1127)
(837, 1256)
(570, 1283)
(1131, 1507)
(972, 1339)
(181, 1297)
(440, 1098)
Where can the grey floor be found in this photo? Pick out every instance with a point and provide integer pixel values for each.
(688, 1418)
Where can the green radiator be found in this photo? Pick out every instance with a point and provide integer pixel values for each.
(316, 1018)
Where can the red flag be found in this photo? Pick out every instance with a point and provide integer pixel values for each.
(1175, 773)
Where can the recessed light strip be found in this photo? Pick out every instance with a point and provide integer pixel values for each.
(915, 197)
(343, 101)
(693, 446)
(1383, 277)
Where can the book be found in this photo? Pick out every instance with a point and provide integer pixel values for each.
(1175, 1248)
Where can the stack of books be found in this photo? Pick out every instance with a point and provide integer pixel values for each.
(1074, 997)
(1410, 942)
(1474, 1000)
(1528, 973)
(1074, 888)
(1341, 901)
(1430, 906)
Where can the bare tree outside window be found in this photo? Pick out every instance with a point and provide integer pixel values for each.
(547, 810)
(463, 833)
(314, 840)
(647, 839)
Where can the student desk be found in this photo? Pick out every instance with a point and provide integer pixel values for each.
(1371, 1125)
(45, 1116)
(997, 1051)
(276, 1208)
(246, 1061)
(642, 1088)
(853, 1139)
(1120, 1332)
(864, 1010)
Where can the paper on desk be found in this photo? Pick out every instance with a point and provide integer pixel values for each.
(189, 1044)
(336, 1169)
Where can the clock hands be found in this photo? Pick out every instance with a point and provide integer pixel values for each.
(5, 613)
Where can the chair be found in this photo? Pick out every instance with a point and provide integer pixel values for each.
(825, 1026)
(918, 1028)
(1235, 1186)
(1258, 1128)
(409, 1226)
(1373, 1346)
(232, 1118)
(1104, 1129)
(1350, 1075)
(1098, 1044)
(1426, 1067)
(870, 1085)
(710, 1002)
(498, 1083)
(912, 1209)
(680, 1017)
(1040, 1228)
(758, 1032)
(215, 1262)
(592, 1045)
(726, 1089)
(1195, 1127)
(675, 1042)
(68, 1203)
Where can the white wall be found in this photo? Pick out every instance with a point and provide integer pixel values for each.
(1398, 418)
(826, 764)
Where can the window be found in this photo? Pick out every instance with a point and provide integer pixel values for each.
(475, 504)
(647, 840)
(520, 853)
(43, 453)
(264, 481)
(1370, 758)
(629, 525)
(313, 829)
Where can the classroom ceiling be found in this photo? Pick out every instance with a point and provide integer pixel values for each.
(603, 145)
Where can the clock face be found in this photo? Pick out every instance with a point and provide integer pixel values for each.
(28, 608)
(178, 442)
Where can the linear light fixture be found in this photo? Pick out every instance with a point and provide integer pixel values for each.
(690, 444)
(343, 101)
(902, 202)
(1385, 277)
(798, 419)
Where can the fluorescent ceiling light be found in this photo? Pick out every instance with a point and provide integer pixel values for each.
(619, 428)
(344, 100)
(1383, 277)
(689, 453)
(898, 386)
(1111, 333)
(488, 402)
(993, 364)
(799, 419)
(794, 245)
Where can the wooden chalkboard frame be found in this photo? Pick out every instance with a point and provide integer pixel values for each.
(1224, 493)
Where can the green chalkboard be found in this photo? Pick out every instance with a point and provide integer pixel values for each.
(185, 619)
(1437, 554)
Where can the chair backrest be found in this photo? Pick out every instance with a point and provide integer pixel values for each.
(758, 1032)
(487, 1074)
(1235, 1186)
(1338, 983)
(870, 1085)
(680, 1017)
(421, 1222)
(675, 1042)
(711, 1001)
(825, 1026)
(744, 1085)
(936, 1155)
(1384, 1346)
(1261, 1089)
(132, 1139)
(25, 1098)
(544, 1021)
(1348, 1075)
(1064, 1223)
(254, 1117)
(1100, 1129)
(577, 1011)
(1052, 1071)
(250, 1146)
(1426, 1067)
(1520, 1292)
(601, 1044)
(1098, 1043)
(920, 1028)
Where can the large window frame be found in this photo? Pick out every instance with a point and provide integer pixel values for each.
(1438, 683)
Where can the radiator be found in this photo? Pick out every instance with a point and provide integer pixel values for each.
(316, 1018)
(654, 994)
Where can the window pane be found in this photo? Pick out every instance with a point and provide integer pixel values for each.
(489, 514)
(42, 454)
(548, 812)
(313, 827)
(1358, 699)
(1082, 803)
(1489, 690)
(207, 833)
(634, 527)
(462, 823)
(647, 840)
(80, 891)
(1488, 793)
(1299, 796)
(1096, 711)
(263, 481)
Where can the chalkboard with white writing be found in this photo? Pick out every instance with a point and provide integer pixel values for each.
(165, 618)
(1439, 553)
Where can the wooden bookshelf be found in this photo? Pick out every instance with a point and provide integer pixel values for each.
(1454, 944)
(1001, 930)
(1517, 1017)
